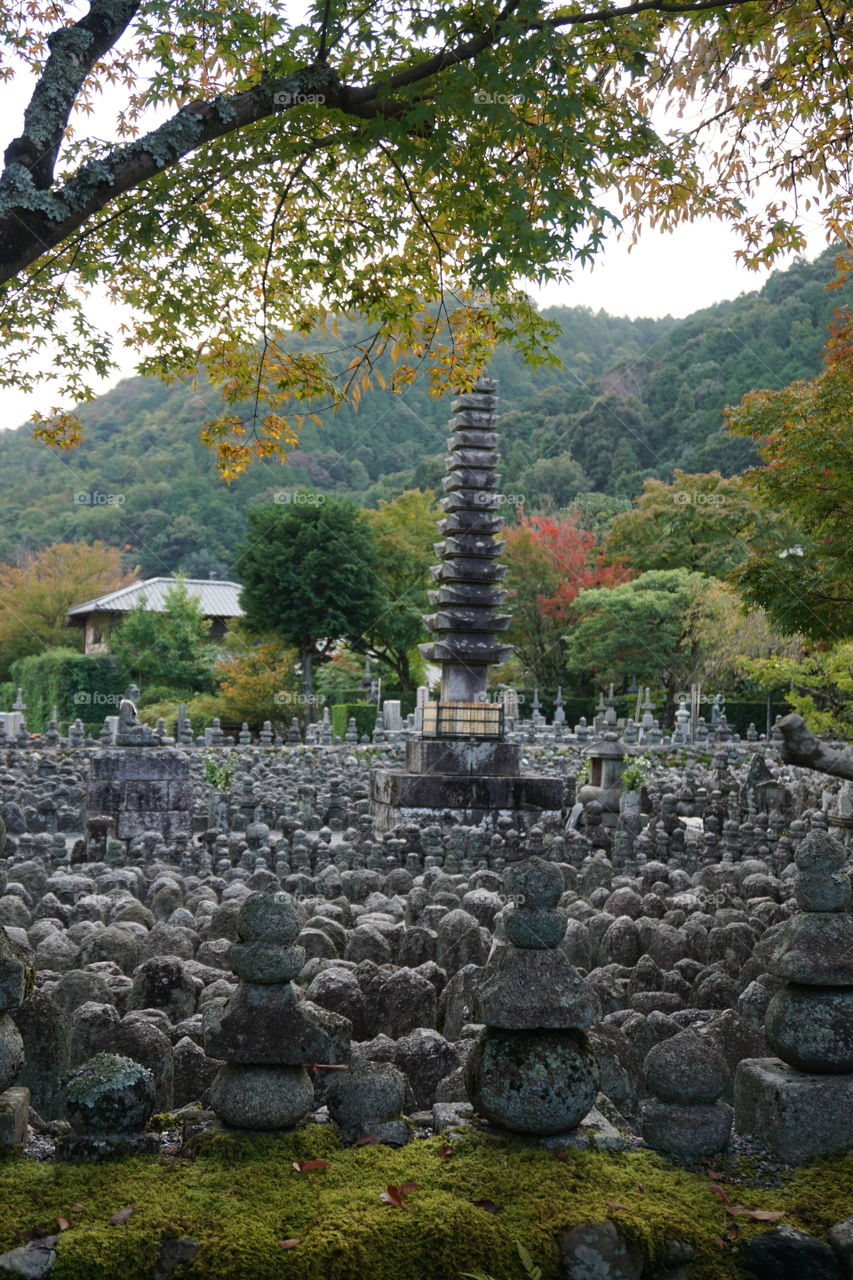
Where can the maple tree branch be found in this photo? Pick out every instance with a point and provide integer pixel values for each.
(35, 218)
(74, 51)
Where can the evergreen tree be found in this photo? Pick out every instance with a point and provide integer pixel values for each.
(309, 569)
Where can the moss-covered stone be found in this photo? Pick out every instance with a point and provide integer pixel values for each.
(110, 1094)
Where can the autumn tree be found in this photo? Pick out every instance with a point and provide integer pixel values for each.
(733, 635)
(405, 530)
(257, 679)
(37, 592)
(549, 560)
(249, 172)
(703, 522)
(804, 435)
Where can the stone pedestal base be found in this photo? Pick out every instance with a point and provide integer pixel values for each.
(794, 1114)
(469, 799)
(14, 1114)
(141, 789)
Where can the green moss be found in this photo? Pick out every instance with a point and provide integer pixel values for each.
(240, 1195)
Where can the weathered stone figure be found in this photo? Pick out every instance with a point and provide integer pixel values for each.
(127, 716)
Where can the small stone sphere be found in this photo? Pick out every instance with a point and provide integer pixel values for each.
(534, 929)
(534, 882)
(110, 1094)
(265, 962)
(811, 1028)
(535, 1082)
(822, 890)
(686, 1070)
(819, 851)
(264, 1098)
(686, 1131)
(268, 917)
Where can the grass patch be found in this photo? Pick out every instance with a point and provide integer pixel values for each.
(240, 1195)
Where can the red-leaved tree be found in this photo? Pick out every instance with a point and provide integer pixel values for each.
(549, 561)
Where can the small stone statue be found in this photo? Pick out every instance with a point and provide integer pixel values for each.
(130, 733)
(127, 717)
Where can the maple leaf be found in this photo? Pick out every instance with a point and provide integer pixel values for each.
(394, 1194)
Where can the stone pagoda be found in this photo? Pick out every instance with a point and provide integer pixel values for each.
(801, 1103)
(461, 767)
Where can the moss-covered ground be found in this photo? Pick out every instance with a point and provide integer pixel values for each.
(239, 1195)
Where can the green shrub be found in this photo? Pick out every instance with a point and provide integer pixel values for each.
(163, 693)
(364, 713)
(88, 686)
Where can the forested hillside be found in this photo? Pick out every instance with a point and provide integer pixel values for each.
(633, 398)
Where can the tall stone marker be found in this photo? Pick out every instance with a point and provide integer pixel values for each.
(461, 768)
(138, 785)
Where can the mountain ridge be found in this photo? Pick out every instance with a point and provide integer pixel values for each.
(634, 397)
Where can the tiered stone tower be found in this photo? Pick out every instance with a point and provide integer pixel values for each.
(531, 1069)
(466, 625)
(462, 768)
(801, 1102)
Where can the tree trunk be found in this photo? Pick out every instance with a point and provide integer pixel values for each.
(403, 671)
(307, 660)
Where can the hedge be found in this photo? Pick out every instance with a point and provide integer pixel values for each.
(88, 686)
(364, 713)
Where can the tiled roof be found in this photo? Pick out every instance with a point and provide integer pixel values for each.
(218, 599)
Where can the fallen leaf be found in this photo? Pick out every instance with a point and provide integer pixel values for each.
(77, 1208)
(394, 1194)
(719, 1242)
(488, 1205)
(63, 1224)
(369, 1140)
(289, 1244)
(304, 1166)
(721, 1192)
(445, 1151)
(765, 1215)
(614, 1205)
(733, 1231)
(328, 1066)
(121, 1217)
(717, 1177)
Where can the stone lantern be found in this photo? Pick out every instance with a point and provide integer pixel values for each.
(606, 762)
